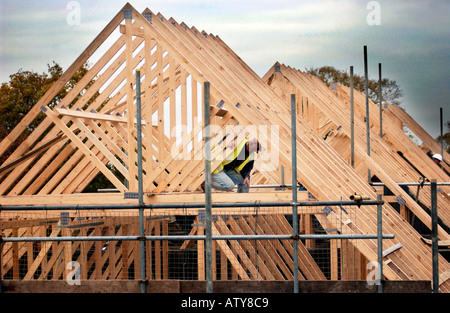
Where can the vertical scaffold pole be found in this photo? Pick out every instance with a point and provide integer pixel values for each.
(208, 218)
(294, 190)
(434, 236)
(380, 243)
(366, 87)
(140, 182)
(352, 121)
(442, 133)
(381, 99)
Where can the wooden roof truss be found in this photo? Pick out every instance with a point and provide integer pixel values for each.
(92, 130)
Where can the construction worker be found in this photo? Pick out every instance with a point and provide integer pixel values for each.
(236, 168)
(437, 158)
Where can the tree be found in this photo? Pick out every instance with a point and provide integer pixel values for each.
(446, 138)
(24, 90)
(390, 89)
(18, 96)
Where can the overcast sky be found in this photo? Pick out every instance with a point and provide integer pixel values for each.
(410, 38)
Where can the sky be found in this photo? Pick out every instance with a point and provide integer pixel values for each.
(411, 39)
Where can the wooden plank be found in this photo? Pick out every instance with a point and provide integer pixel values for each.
(333, 256)
(118, 198)
(68, 252)
(223, 266)
(134, 31)
(165, 249)
(201, 253)
(160, 101)
(132, 158)
(172, 97)
(96, 116)
(15, 255)
(125, 250)
(147, 111)
(150, 249)
(157, 232)
(392, 249)
(441, 243)
(184, 102)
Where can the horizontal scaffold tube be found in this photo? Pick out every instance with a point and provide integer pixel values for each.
(184, 205)
(196, 237)
(415, 184)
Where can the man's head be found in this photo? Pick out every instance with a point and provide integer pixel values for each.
(437, 158)
(254, 145)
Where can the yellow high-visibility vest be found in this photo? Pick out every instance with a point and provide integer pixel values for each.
(232, 156)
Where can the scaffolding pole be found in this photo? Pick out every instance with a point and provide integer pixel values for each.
(140, 181)
(381, 100)
(434, 237)
(366, 87)
(157, 206)
(380, 244)
(294, 190)
(352, 122)
(197, 237)
(208, 217)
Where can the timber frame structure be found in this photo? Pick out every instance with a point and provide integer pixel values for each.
(92, 130)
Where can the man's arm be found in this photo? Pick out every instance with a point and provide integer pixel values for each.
(245, 172)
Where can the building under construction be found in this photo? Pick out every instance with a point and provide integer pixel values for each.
(137, 118)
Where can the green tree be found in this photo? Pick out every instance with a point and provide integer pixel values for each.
(390, 89)
(24, 90)
(18, 96)
(446, 137)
